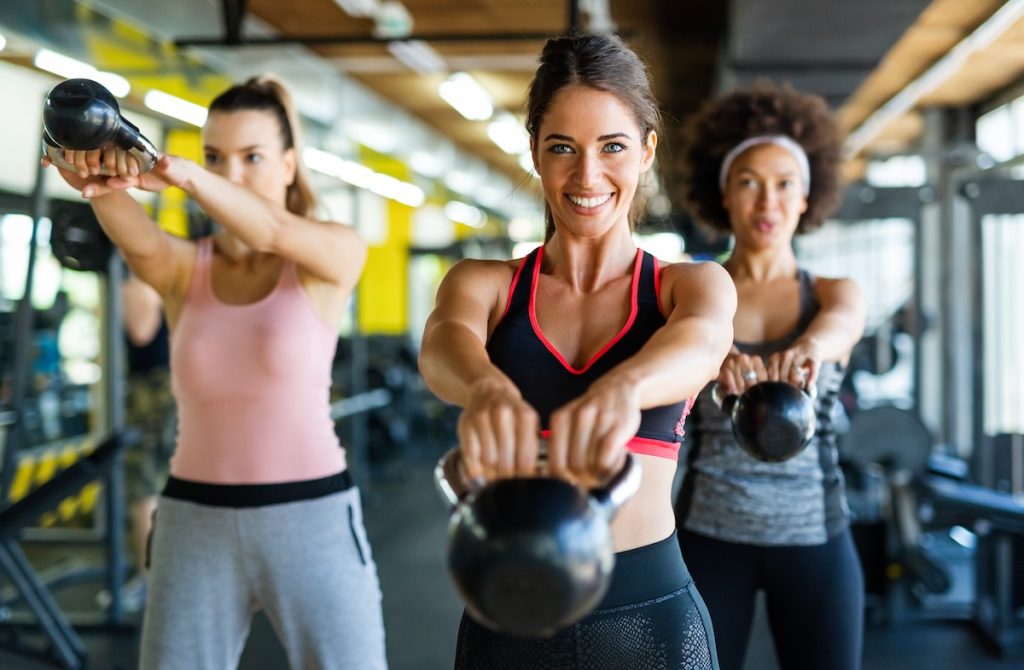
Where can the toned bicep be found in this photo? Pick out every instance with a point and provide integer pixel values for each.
(842, 299)
(466, 297)
(704, 292)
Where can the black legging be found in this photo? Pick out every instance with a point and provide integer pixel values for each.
(814, 597)
(651, 619)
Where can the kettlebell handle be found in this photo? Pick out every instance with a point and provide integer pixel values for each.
(82, 114)
(620, 488)
(726, 401)
(144, 152)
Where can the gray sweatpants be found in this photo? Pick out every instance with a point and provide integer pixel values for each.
(306, 563)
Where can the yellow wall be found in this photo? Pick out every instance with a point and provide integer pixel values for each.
(383, 291)
(172, 211)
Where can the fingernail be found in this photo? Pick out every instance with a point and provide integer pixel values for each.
(87, 192)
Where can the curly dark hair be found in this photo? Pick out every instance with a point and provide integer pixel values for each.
(762, 109)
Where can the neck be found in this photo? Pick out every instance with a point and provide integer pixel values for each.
(762, 265)
(234, 249)
(586, 264)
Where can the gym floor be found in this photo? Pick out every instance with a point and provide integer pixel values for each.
(406, 523)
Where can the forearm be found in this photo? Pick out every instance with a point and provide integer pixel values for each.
(833, 336)
(252, 218)
(454, 364)
(676, 363)
(127, 224)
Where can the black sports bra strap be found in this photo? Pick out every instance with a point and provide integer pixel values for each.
(646, 292)
(520, 298)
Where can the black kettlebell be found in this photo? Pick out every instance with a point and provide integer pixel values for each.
(772, 421)
(531, 556)
(82, 115)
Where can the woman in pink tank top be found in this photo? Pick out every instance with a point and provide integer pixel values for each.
(259, 512)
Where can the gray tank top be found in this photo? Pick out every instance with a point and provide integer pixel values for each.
(728, 495)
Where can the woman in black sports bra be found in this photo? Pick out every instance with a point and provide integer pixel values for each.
(594, 344)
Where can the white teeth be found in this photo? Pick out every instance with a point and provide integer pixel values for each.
(590, 202)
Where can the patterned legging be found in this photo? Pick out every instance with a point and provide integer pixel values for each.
(652, 619)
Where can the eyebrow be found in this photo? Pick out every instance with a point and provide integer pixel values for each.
(207, 147)
(602, 138)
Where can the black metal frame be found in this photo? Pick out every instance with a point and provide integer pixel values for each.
(106, 460)
(862, 202)
(994, 617)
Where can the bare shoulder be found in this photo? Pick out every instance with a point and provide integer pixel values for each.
(695, 275)
(472, 271)
(702, 287)
(836, 287)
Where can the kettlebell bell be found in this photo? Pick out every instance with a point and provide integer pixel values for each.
(530, 556)
(772, 421)
(82, 115)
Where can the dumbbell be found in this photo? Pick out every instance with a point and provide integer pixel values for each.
(772, 421)
(82, 115)
(530, 556)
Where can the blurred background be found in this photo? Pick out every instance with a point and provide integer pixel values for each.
(413, 119)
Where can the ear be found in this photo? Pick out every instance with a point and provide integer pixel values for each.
(804, 204)
(650, 148)
(290, 164)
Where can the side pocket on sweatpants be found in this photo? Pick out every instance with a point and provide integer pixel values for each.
(355, 535)
(149, 542)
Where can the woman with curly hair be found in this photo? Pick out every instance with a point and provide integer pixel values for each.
(762, 164)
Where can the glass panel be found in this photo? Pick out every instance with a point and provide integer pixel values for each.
(1003, 323)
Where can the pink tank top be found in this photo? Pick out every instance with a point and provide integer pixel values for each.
(252, 385)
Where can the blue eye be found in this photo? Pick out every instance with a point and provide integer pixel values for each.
(614, 147)
(253, 158)
(560, 149)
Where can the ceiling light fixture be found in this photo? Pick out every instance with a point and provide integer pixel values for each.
(392, 21)
(510, 135)
(70, 68)
(427, 163)
(363, 177)
(418, 56)
(175, 107)
(460, 212)
(468, 98)
(359, 9)
(461, 181)
(901, 103)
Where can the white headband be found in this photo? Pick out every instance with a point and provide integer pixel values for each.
(786, 143)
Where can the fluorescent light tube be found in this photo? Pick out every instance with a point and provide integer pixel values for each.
(468, 98)
(173, 106)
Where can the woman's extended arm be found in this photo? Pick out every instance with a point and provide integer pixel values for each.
(498, 430)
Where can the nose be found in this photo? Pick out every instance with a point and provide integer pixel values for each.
(233, 171)
(768, 197)
(588, 170)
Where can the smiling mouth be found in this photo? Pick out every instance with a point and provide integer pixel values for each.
(590, 203)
